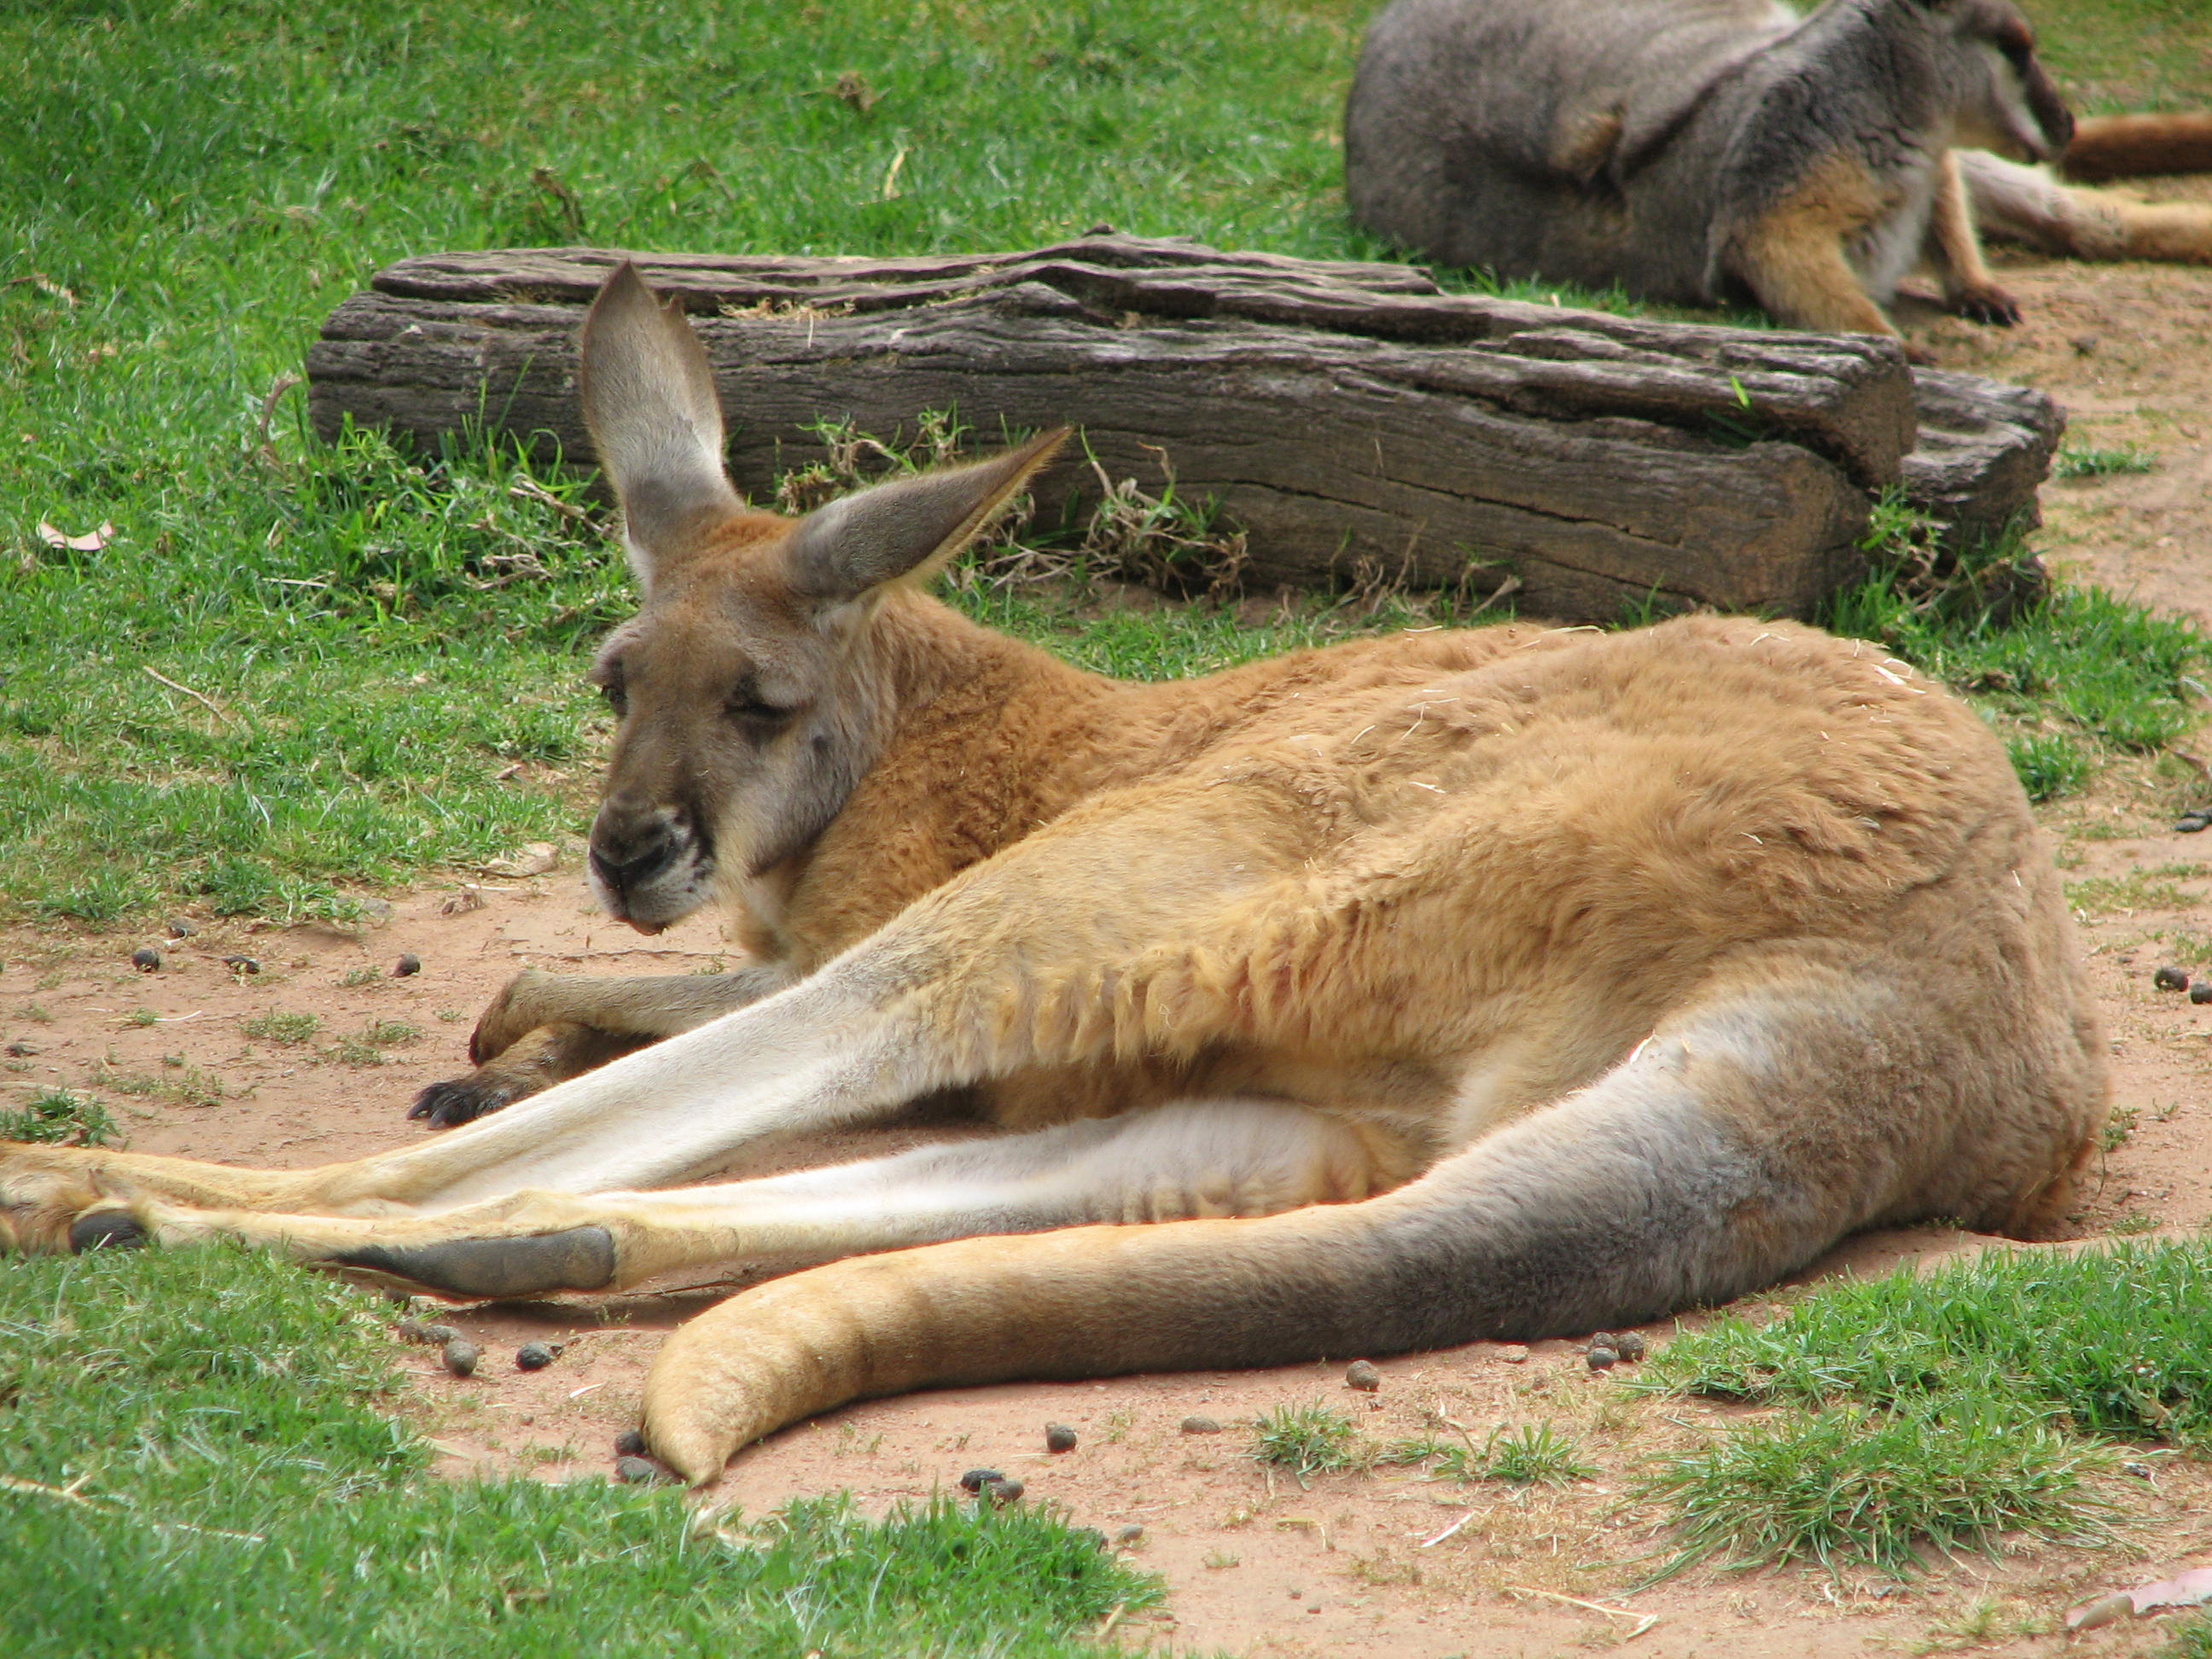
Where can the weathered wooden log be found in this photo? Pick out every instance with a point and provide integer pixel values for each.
(1353, 418)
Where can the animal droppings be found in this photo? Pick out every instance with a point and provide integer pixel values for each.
(1362, 1377)
(2190, 823)
(408, 964)
(430, 1336)
(1129, 1534)
(1201, 1425)
(1629, 1346)
(535, 1355)
(2170, 979)
(180, 928)
(20, 1049)
(145, 958)
(1514, 1353)
(637, 1472)
(1603, 1359)
(241, 964)
(629, 1443)
(1059, 1437)
(976, 1480)
(2201, 992)
(1003, 1492)
(461, 1357)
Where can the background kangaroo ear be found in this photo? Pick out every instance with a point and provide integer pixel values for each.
(907, 527)
(649, 397)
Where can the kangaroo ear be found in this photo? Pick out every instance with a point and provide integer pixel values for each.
(649, 402)
(908, 528)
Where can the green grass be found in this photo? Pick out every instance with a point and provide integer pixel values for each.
(236, 1489)
(1848, 1486)
(1534, 1454)
(2072, 463)
(2115, 1342)
(59, 1114)
(1308, 1439)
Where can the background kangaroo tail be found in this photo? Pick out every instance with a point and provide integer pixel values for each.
(2138, 146)
(1734, 1146)
(2025, 204)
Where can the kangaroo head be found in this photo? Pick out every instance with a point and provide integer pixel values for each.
(752, 690)
(2002, 99)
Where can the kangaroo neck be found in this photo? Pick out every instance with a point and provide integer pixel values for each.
(987, 739)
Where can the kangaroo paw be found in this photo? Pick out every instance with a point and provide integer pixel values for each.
(573, 1258)
(1986, 303)
(464, 1099)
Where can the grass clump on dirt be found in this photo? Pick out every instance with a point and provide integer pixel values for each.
(199, 1461)
(1851, 1486)
(1308, 1439)
(59, 1116)
(1534, 1454)
(2113, 1340)
(1939, 1408)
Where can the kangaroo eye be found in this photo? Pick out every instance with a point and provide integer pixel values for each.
(617, 695)
(751, 712)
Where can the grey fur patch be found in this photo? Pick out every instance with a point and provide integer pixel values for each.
(575, 1259)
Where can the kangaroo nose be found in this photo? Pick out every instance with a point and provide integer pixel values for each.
(628, 858)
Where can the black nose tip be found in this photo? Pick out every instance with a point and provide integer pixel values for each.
(637, 859)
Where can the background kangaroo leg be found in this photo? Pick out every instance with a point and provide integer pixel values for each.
(2027, 204)
(544, 1028)
(1742, 1140)
(1956, 252)
(1232, 1158)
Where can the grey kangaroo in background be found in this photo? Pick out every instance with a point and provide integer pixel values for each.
(1705, 152)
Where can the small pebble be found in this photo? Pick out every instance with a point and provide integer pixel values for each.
(145, 958)
(2201, 992)
(241, 964)
(1629, 1346)
(1362, 1377)
(1201, 1425)
(636, 1472)
(535, 1355)
(1603, 1359)
(1125, 1536)
(1514, 1353)
(629, 1443)
(430, 1336)
(180, 928)
(408, 964)
(2190, 823)
(976, 1480)
(21, 1050)
(1003, 1492)
(2170, 979)
(461, 1356)
(1059, 1437)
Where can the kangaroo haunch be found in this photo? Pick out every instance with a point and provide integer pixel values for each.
(1445, 986)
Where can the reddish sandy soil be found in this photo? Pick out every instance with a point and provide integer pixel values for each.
(1256, 1565)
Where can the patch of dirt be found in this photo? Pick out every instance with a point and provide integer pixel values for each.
(2127, 348)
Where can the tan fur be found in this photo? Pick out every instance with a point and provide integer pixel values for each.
(1432, 987)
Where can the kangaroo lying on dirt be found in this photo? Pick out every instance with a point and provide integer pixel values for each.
(1702, 152)
(1427, 989)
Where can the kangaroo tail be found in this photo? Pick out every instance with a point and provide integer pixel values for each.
(1736, 1144)
(2025, 204)
(2138, 146)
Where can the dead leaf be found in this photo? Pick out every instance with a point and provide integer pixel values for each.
(91, 542)
(534, 860)
(462, 903)
(2185, 1589)
(854, 91)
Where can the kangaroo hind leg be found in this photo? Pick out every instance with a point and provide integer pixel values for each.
(1792, 1103)
(2027, 204)
(1227, 1158)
